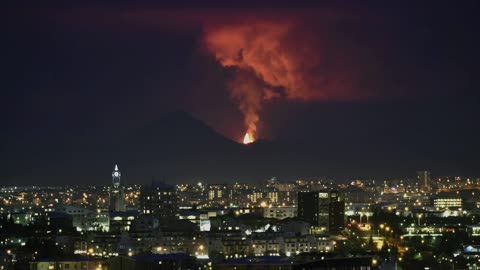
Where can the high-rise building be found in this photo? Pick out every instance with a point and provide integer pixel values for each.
(336, 213)
(216, 192)
(423, 178)
(117, 193)
(159, 199)
(313, 207)
(324, 210)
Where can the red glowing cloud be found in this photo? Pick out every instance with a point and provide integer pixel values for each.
(278, 59)
(304, 55)
(255, 50)
(254, 46)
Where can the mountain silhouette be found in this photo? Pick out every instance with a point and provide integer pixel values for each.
(178, 148)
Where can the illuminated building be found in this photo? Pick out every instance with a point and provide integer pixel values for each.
(280, 212)
(324, 210)
(121, 221)
(313, 207)
(273, 196)
(336, 213)
(159, 199)
(80, 216)
(265, 246)
(117, 193)
(215, 192)
(87, 264)
(424, 180)
(255, 196)
(448, 203)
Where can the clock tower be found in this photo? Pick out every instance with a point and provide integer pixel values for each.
(116, 177)
(117, 194)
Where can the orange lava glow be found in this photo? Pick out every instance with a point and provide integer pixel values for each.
(248, 138)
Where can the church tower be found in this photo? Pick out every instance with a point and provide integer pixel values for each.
(117, 193)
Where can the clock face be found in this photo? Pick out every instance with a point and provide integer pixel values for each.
(115, 174)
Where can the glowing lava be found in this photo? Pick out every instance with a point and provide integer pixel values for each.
(248, 138)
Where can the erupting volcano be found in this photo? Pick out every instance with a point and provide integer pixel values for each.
(248, 138)
(278, 58)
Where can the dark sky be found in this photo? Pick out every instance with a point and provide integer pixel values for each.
(364, 76)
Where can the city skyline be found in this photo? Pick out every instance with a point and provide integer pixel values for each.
(220, 135)
(271, 224)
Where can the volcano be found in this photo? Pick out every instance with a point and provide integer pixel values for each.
(179, 148)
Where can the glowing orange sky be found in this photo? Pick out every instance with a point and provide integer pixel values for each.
(306, 55)
(284, 63)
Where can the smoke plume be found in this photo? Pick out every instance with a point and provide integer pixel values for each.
(274, 60)
(254, 49)
(304, 55)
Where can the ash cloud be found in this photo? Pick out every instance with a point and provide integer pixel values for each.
(283, 59)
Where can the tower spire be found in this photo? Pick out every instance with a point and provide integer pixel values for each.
(116, 177)
(117, 196)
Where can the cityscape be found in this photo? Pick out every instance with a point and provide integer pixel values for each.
(239, 135)
(412, 223)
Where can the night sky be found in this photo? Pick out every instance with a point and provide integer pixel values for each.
(365, 81)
